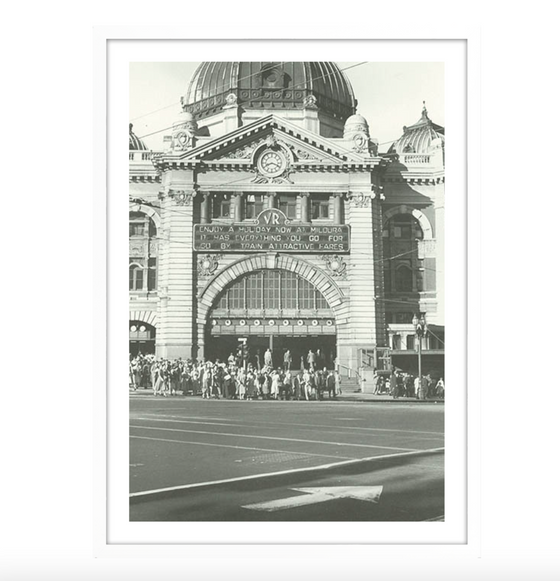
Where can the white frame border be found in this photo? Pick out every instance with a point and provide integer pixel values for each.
(101, 37)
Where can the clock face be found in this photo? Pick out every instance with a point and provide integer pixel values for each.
(272, 163)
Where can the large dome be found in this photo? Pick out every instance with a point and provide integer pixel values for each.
(270, 86)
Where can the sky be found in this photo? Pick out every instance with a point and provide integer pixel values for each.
(390, 95)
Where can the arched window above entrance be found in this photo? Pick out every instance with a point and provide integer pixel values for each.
(272, 292)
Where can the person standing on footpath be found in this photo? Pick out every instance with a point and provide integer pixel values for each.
(311, 360)
(423, 392)
(268, 358)
(393, 386)
(331, 385)
(440, 388)
(287, 360)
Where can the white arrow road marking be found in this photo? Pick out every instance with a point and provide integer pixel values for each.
(316, 495)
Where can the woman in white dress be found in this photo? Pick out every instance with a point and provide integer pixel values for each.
(275, 384)
(241, 383)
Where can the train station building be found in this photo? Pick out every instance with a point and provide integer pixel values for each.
(269, 218)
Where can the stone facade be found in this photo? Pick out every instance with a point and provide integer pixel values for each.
(237, 171)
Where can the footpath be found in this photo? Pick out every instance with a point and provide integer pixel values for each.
(346, 396)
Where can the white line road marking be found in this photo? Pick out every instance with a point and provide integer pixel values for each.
(274, 426)
(238, 448)
(283, 472)
(315, 495)
(253, 425)
(267, 423)
(222, 434)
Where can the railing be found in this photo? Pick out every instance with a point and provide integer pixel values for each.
(350, 373)
(416, 158)
(140, 155)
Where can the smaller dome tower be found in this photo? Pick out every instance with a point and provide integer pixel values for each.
(422, 137)
(356, 134)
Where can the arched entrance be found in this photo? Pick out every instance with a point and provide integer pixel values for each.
(276, 302)
(142, 338)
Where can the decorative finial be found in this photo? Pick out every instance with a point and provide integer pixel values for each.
(424, 110)
(130, 127)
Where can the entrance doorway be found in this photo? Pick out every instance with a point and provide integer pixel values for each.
(142, 338)
(221, 346)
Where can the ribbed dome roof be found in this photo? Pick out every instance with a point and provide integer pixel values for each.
(418, 137)
(134, 142)
(267, 85)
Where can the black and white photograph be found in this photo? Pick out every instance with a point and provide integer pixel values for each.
(287, 291)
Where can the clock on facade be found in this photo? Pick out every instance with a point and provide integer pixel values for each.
(272, 163)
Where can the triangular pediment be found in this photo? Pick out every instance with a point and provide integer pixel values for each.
(241, 145)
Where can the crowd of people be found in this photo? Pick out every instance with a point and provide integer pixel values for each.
(238, 378)
(233, 379)
(402, 384)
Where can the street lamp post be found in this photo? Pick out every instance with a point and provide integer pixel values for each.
(420, 328)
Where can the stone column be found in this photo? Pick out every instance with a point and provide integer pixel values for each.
(237, 200)
(337, 198)
(270, 198)
(205, 208)
(363, 328)
(176, 306)
(304, 206)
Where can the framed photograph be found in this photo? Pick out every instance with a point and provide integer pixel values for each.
(297, 295)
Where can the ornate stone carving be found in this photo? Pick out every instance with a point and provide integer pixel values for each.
(302, 154)
(244, 152)
(260, 179)
(335, 265)
(231, 99)
(182, 197)
(359, 199)
(184, 131)
(273, 164)
(271, 141)
(310, 102)
(136, 249)
(360, 143)
(208, 264)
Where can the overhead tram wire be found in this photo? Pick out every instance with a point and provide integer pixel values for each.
(179, 102)
(238, 80)
(247, 77)
(140, 201)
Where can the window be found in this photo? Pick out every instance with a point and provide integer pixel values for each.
(319, 206)
(221, 206)
(403, 279)
(152, 274)
(254, 205)
(306, 295)
(289, 285)
(135, 277)
(411, 342)
(237, 296)
(287, 204)
(396, 342)
(140, 224)
(402, 266)
(403, 317)
(271, 287)
(143, 252)
(271, 290)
